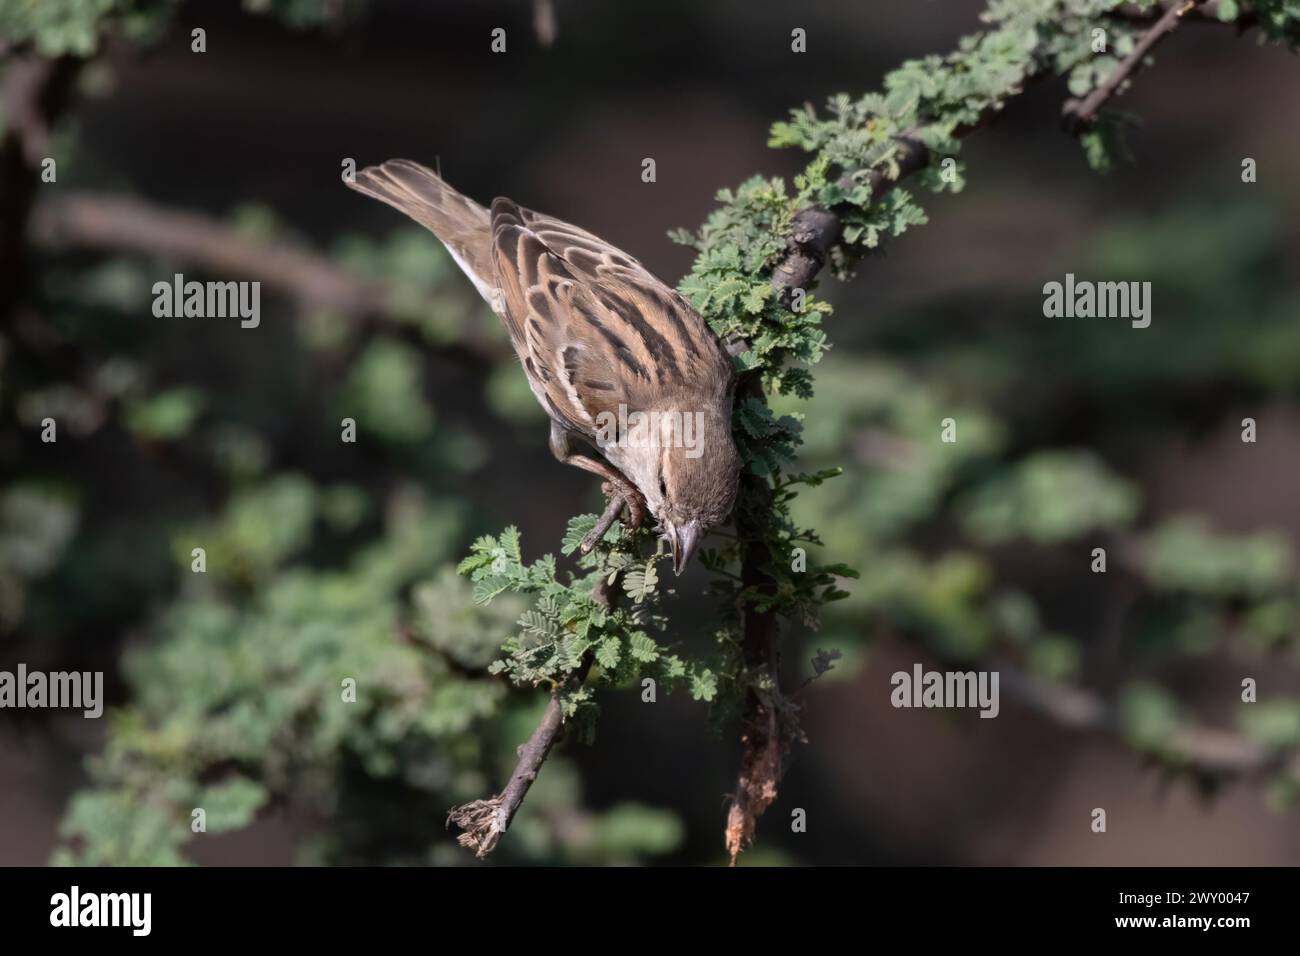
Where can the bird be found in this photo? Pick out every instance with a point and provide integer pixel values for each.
(602, 343)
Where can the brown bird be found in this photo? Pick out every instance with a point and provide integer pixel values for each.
(615, 357)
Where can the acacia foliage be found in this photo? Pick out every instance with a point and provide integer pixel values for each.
(236, 701)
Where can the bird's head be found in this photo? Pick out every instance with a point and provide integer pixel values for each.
(689, 472)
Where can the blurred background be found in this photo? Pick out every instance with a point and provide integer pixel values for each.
(328, 559)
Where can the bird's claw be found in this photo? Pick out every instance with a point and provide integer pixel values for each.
(636, 507)
(619, 494)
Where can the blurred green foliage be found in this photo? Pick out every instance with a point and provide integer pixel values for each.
(320, 572)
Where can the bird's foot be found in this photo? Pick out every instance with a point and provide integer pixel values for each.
(619, 493)
(635, 501)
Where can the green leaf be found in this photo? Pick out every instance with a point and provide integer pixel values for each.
(510, 544)
(536, 624)
(384, 393)
(608, 652)
(488, 588)
(1050, 497)
(1149, 715)
(232, 804)
(1275, 724)
(639, 583)
(578, 528)
(704, 684)
(642, 647)
(166, 416)
(1185, 555)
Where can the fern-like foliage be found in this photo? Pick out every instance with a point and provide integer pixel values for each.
(857, 146)
(567, 624)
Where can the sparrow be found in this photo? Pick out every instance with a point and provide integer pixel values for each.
(601, 341)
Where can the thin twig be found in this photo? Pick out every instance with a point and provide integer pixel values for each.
(483, 822)
(1207, 13)
(1080, 114)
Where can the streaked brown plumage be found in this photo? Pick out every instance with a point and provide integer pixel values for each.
(594, 331)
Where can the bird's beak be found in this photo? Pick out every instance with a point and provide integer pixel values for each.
(684, 540)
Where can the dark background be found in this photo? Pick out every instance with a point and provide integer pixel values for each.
(267, 115)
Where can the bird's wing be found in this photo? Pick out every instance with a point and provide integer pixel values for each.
(600, 329)
(461, 224)
(686, 347)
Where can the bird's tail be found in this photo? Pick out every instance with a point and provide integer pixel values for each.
(462, 225)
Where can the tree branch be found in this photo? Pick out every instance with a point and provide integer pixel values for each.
(1080, 114)
(33, 93)
(762, 735)
(482, 822)
(1205, 748)
(1207, 12)
(769, 723)
(816, 230)
(312, 280)
(119, 224)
